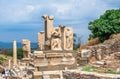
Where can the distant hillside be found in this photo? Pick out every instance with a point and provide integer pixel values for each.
(9, 45)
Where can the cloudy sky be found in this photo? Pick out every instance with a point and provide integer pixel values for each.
(21, 19)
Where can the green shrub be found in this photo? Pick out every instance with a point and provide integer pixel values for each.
(2, 58)
(19, 53)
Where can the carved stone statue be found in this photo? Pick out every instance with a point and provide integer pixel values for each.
(56, 44)
(68, 39)
(56, 33)
(26, 48)
(56, 41)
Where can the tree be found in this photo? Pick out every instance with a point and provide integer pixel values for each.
(106, 25)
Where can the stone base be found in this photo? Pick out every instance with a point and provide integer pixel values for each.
(47, 75)
(37, 75)
(82, 61)
(52, 60)
(60, 67)
(26, 59)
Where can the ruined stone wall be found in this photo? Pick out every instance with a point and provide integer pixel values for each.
(89, 75)
(101, 51)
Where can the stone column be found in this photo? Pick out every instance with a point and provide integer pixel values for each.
(61, 75)
(41, 40)
(48, 25)
(14, 53)
(48, 28)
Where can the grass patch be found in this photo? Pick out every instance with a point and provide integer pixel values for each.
(111, 72)
(93, 69)
(88, 68)
(2, 58)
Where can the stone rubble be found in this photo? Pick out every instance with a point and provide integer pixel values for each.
(101, 51)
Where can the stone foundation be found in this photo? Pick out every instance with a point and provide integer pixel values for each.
(53, 61)
(48, 75)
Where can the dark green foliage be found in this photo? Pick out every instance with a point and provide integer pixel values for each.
(74, 40)
(19, 53)
(77, 41)
(107, 24)
(10, 52)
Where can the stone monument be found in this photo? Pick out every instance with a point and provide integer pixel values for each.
(55, 51)
(58, 43)
(26, 48)
(56, 39)
(54, 54)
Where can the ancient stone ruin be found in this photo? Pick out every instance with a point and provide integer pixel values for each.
(26, 48)
(100, 51)
(55, 59)
(55, 48)
(54, 53)
(55, 38)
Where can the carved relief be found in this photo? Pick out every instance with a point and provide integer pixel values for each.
(55, 41)
(56, 33)
(68, 39)
(26, 48)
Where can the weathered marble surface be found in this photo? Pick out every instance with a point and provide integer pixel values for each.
(26, 48)
(41, 40)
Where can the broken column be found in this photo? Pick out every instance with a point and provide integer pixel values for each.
(9, 63)
(26, 48)
(48, 29)
(14, 53)
(41, 38)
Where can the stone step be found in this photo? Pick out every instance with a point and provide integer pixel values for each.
(46, 77)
